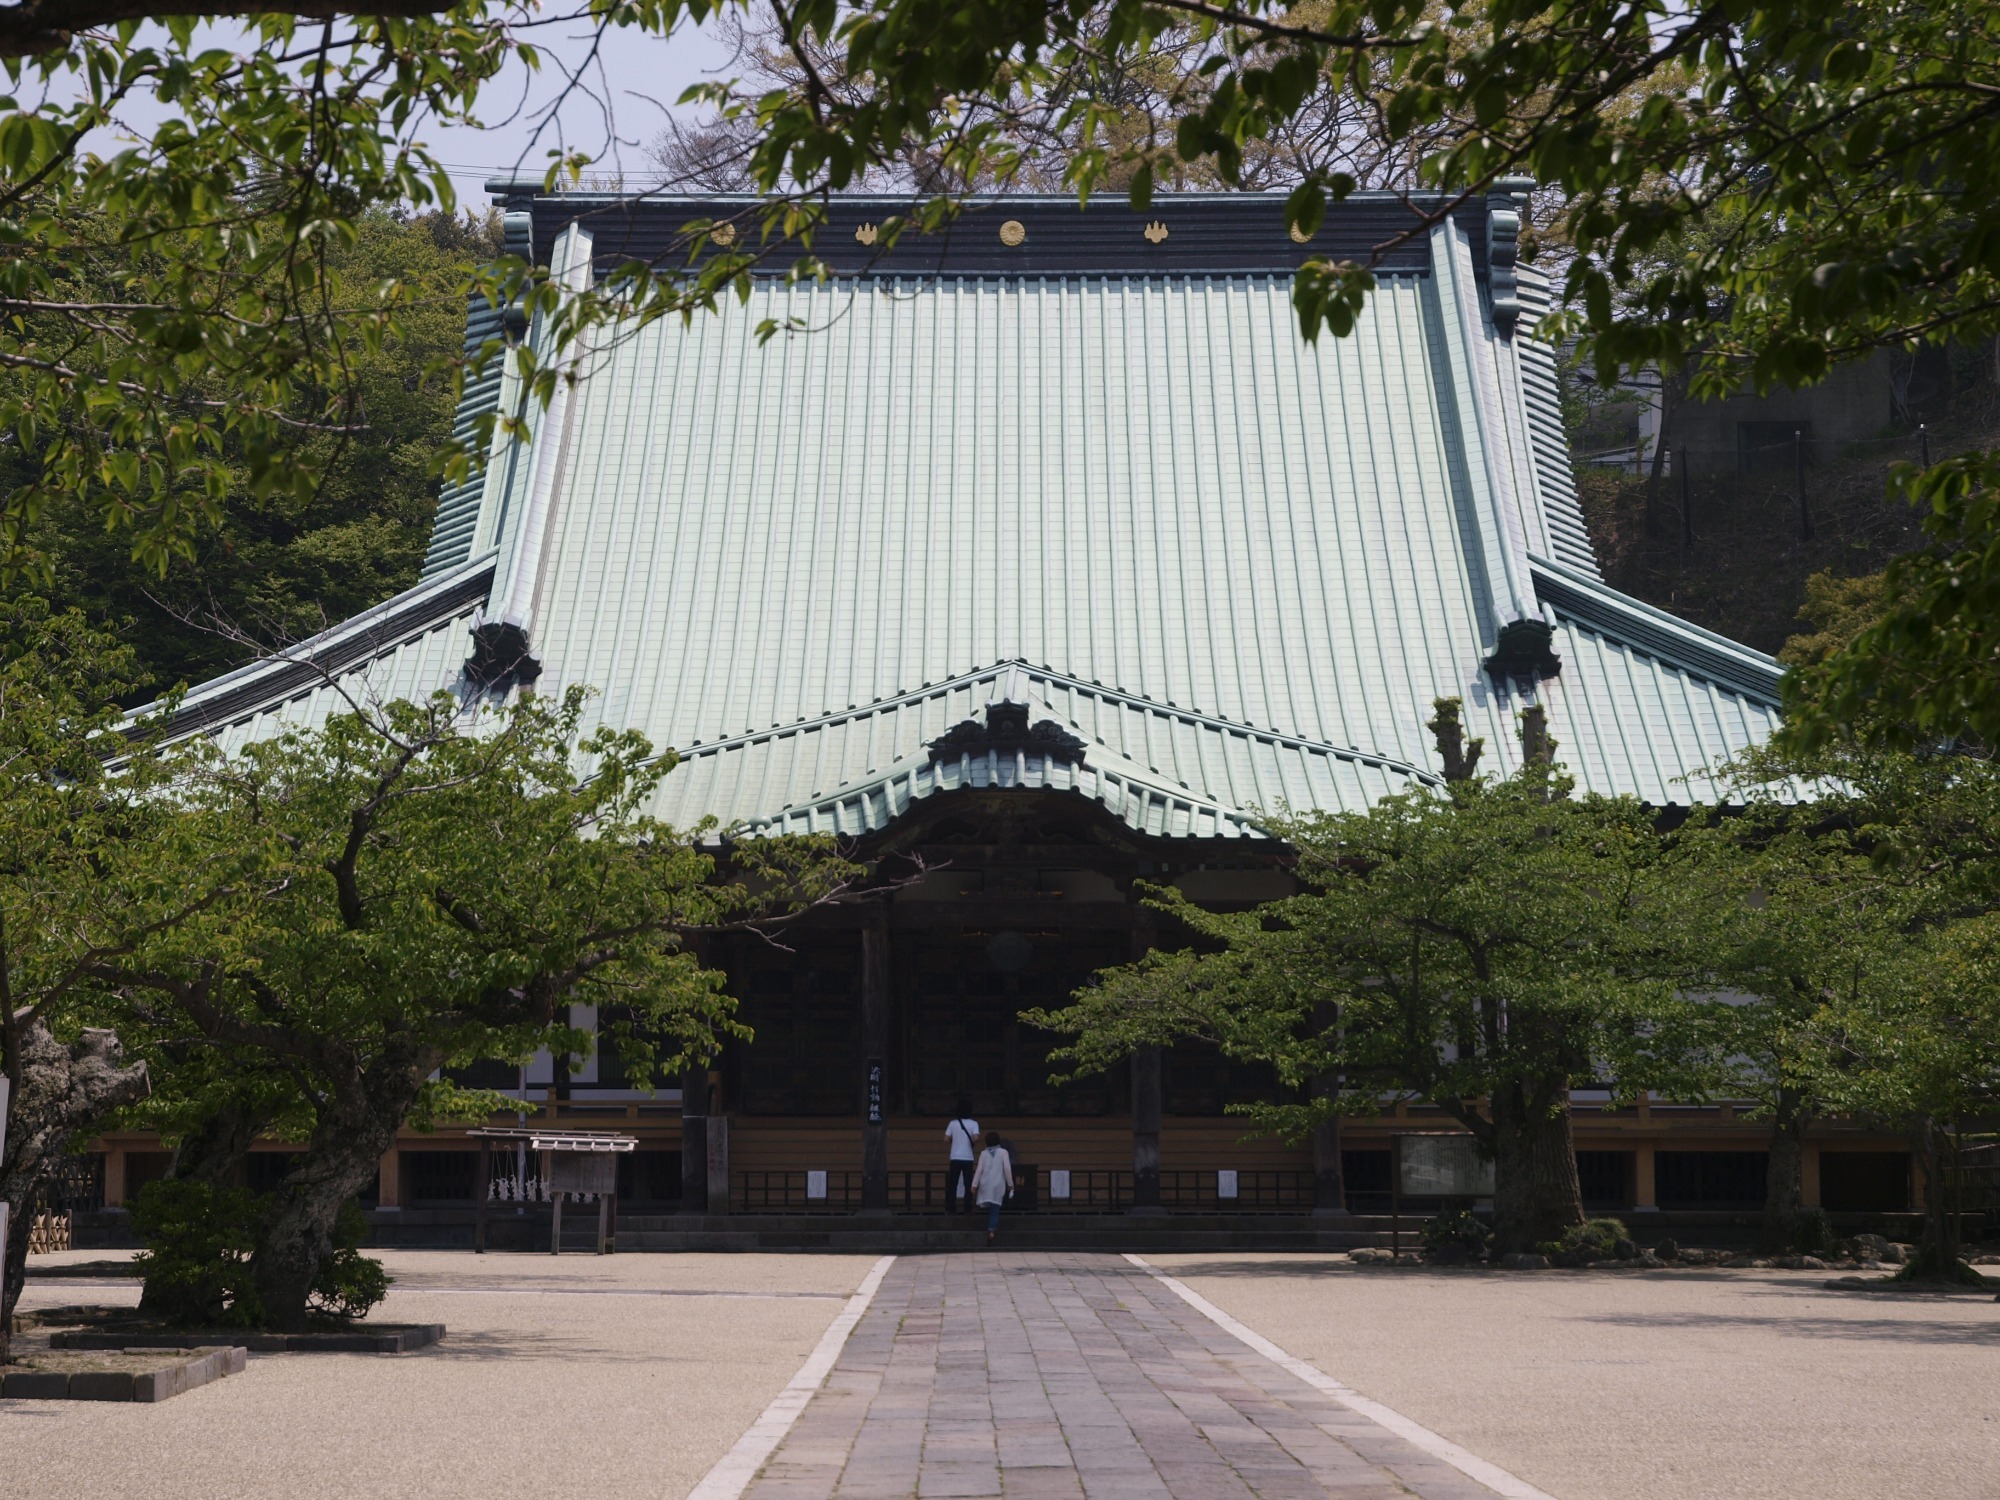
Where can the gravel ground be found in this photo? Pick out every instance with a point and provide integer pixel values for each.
(623, 1376)
(631, 1375)
(1668, 1385)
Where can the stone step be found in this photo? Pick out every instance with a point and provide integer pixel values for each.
(914, 1233)
(862, 1245)
(1019, 1234)
(897, 1223)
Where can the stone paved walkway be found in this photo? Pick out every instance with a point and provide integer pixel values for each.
(1074, 1377)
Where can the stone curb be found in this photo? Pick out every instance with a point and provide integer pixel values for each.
(397, 1340)
(212, 1363)
(85, 1270)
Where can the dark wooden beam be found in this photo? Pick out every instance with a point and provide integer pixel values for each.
(1329, 1183)
(1146, 1131)
(875, 1063)
(481, 1186)
(694, 1139)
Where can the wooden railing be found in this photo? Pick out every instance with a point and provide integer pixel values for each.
(1091, 1191)
(1266, 1191)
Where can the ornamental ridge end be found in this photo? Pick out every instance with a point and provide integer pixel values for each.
(1006, 731)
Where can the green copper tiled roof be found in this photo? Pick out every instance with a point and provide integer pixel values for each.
(1238, 566)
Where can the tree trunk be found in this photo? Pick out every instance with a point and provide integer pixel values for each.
(218, 1146)
(1784, 1181)
(213, 1152)
(346, 1148)
(1536, 1193)
(1659, 460)
(1937, 1257)
(60, 1091)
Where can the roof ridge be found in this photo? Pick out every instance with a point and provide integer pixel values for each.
(1111, 762)
(421, 606)
(1086, 779)
(1693, 648)
(1120, 696)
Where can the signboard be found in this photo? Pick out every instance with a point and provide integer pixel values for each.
(583, 1172)
(1442, 1166)
(1225, 1183)
(875, 1091)
(1059, 1182)
(816, 1187)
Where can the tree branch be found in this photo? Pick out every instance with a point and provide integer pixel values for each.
(44, 26)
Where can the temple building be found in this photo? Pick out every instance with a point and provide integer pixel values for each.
(1045, 549)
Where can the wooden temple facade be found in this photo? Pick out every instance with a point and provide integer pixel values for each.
(1046, 552)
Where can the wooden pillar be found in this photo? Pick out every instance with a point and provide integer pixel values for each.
(718, 1164)
(482, 1185)
(875, 1062)
(1146, 1131)
(1809, 1175)
(694, 1139)
(390, 1192)
(1146, 1102)
(1645, 1196)
(604, 1223)
(114, 1176)
(1329, 1183)
(555, 1222)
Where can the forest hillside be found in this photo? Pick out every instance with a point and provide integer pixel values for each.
(1748, 572)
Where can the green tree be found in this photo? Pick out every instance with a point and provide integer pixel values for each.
(1825, 179)
(86, 877)
(1922, 1052)
(1486, 947)
(1918, 667)
(1785, 909)
(431, 890)
(1884, 964)
(1838, 609)
(280, 569)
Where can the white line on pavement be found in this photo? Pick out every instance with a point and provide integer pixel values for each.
(733, 1472)
(1492, 1476)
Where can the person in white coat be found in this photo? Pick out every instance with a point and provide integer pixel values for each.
(962, 1139)
(993, 1181)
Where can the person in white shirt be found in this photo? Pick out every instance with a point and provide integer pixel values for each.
(993, 1181)
(962, 1135)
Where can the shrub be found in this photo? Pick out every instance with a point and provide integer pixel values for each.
(196, 1263)
(1594, 1239)
(349, 1284)
(197, 1260)
(1456, 1238)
